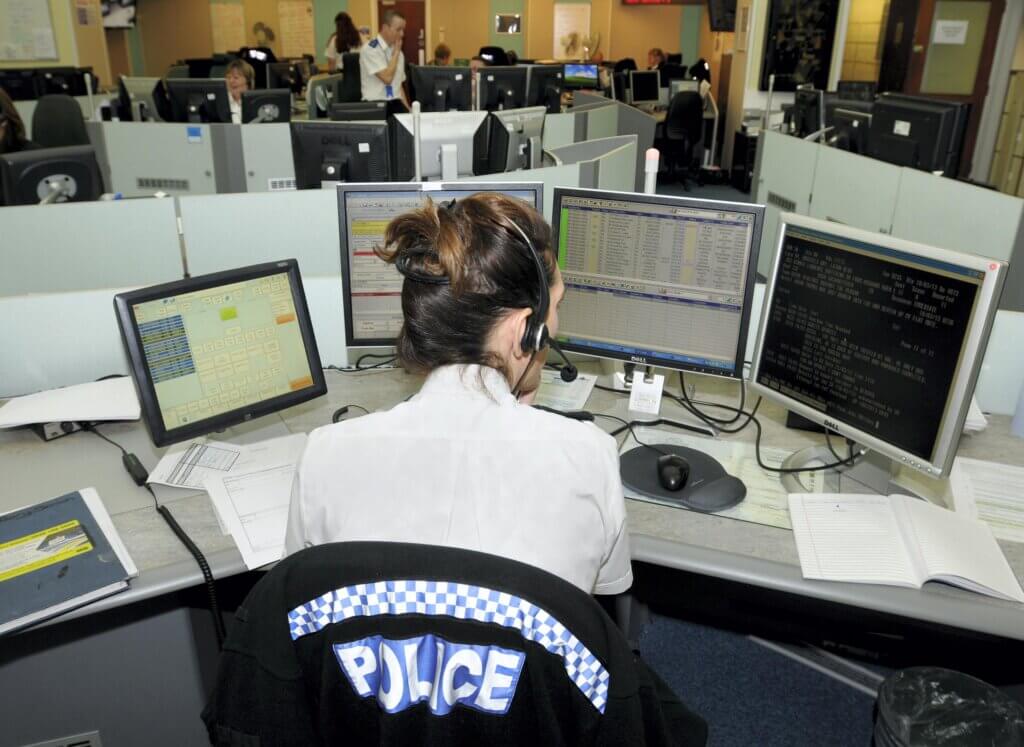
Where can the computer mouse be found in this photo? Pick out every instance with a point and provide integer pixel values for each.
(717, 494)
(673, 471)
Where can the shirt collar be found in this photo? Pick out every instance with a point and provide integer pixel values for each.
(383, 44)
(469, 379)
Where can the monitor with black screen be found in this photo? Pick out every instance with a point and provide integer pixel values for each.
(213, 351)
(851, 131)
(808, 112)
(833, 103)
(515, 140)
(199, 100)
(442, 89)
(360, 111)
(339, 152)
(48, 175)
(657, 281)
(502, 88)
(645, 86)
(544, 86)
(452, 144)
(877, 339)
(266, 106)
(372, 288)
(861, 90)
(285, 75)
(581, 76)
(919, 133)
(69, 80)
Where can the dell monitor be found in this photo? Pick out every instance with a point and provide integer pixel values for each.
(861, 90)
(360, 111)
(657, 281)
(645, 85)
(285, 75)
(851, 131)
(339, 152)
(50, 175)
(442, 89)
(142, 100)
(195, 100)
(544, 87)
(515, 140)
(320, 95)
(372, 288)
(579, 76)
(919, 133)
(501, 88)
(808, 112)
(266, 106)
(452, 144)
(877, 339)
(216, 350)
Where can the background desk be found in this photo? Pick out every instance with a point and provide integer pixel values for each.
(139, 672)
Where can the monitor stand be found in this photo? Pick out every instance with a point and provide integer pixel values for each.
(873, 473)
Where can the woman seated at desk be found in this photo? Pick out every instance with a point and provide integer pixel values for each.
(240, 77)
(12, 129)
(467, 462)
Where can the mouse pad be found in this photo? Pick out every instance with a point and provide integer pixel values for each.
(639, 470)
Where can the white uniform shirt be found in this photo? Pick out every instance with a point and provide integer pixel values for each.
(236, 109)
(373, 58)
(463, 464)
(332, 53)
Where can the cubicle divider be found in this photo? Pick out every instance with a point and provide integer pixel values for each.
(630, 121)
(607, 163)
(267, 158)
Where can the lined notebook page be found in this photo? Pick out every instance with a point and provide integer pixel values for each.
(850, 538)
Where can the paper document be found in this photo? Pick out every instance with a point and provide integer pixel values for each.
(975, 420)
(562, 395)
(991, 492)
(191, 464)
(110, 399)
(254, 508)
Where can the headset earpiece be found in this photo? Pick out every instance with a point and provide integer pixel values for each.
(535, 338)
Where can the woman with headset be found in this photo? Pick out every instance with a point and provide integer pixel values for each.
(467, 462)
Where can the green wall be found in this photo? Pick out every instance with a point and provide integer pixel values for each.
(689, 33)
(323, 23)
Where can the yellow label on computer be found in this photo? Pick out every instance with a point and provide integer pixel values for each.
(41, 549)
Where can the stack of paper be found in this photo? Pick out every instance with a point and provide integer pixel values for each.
(976, 420)
(110, 399)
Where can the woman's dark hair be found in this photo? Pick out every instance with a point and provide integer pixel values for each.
(346, 35)
(14, 134)
(485, 271)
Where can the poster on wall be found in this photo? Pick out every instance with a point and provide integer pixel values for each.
(296, 27)
(118, 14)
(572, 30)
(798, 43)
(26, 31)
(227, 22)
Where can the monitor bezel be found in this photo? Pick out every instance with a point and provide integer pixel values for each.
(162, 436)
(939, 462)
(427, 188)
(758, 212)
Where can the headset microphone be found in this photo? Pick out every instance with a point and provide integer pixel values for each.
(568, 371)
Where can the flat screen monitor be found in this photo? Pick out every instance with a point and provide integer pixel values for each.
(360, 111)
(581, 76)
(722, 15)
(442, 89)
(677, 86)
(199, 100)
(502, 88)
(861, 90)
(69, 80)
(808, 111)
(876, 338)
(319, 95)
(645, 85)
(918, 133)
(834, 103)
(515, 140)
(372, 289)
(142, 100)
(285, 75)
(266, 106)
(851, 131)
(213, 351)
(20, 85)
(339, 152)
(544, 87)
(440, 133)
(48, 175)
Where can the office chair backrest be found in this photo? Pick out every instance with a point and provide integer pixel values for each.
(350, 89)
(58, 121)
(625, 65)
(685, 117)
(391, 643)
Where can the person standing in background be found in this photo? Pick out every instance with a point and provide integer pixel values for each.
(344, 39)
(381, 62)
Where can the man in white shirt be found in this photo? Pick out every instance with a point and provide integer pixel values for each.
(381, 62)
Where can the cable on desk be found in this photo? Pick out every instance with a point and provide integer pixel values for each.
(337, 414)
(359, 368)
(139, 475)
(692, 407)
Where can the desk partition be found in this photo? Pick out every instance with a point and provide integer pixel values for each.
(607, 163)
(854, 190)
(568, 175)
(267, 157)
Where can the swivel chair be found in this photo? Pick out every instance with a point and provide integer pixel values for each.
(681, 134)
(350, 89)
(58, 121)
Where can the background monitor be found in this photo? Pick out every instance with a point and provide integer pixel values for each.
(581, 76)
(645, 85)
(339, 152)
(319, 95)
(359, 111)
(501, 88)
(195, 100)
(466, 131)
(876, 338)
(285, 75)
(808, 111)
(722, 15)
(544, 86)
(149, 93)
(861, 90)
(68, 174)
(852, 131)
(919, 133)
(676, 86)
(266, 105)
(441, 89)
(69, 80)
(372, 288)
(21, 85)
(212, 351)
(515, 140)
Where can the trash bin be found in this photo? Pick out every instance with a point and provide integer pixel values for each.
(931, 706)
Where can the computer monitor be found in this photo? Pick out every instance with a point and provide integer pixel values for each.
(48, 175)
(834, 103)
(620, 87)
(339, 152)
(69, 80)
(266, 105)
(285, 75)
(919, 133)
(442, 89)
(21, 85)
(372, 288)
(677, 86)
(877, 339)
(808, 112)
(851, 131)
(452, 144)
(722, 15)
(581, 76)
(515, 139)
(142, 99)
(861, 90)
(360, 111)
(645, 85)
(501, 88)
(216, 350)
(320, 95)
(544, 86)
(199, 100)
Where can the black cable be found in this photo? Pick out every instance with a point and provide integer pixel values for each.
(743, 402)
(336, 415)
(359, 368)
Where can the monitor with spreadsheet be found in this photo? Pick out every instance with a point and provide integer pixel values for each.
(371, 288)
(661, 281)
(212, 351)
(876, 338)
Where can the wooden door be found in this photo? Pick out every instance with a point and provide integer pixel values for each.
(898, 45)
(415, 25)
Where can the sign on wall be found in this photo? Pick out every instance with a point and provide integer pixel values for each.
(296, 25)
(26, 31)
(572, 28)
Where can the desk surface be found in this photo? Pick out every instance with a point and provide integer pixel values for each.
(705, 544)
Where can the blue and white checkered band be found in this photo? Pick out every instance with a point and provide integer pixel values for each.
(462, 602)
